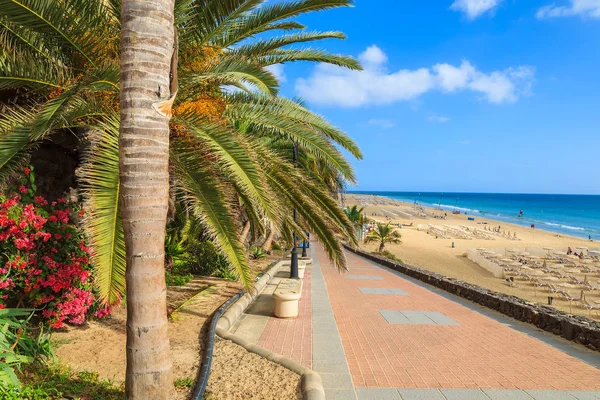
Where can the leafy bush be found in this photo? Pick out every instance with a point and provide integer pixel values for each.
(275, 246)
(257, 253)
(174, 279)
(17, 347)
(44, 260)
(206, 258)
(388, 255)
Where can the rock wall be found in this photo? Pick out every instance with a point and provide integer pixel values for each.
(575, 328)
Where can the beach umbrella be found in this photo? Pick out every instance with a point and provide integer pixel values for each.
(524, 254)
(559, 253)
(545, 265)
(513, 250)
(581, 248)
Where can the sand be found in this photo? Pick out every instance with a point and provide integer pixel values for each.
(239, 374)
(421, 249)
(100, 345)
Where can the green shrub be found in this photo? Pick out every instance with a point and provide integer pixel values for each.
(205, 258)
(388, 255)
(276, 246)
(257, 253)
(17, 346)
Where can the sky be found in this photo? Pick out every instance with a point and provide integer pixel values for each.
(463, 95)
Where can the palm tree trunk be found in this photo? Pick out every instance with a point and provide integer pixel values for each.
(381, 246)
(245, 231)
(269, 241)
(147, 36)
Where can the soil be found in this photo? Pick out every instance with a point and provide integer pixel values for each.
(99, 345)
(254, 377)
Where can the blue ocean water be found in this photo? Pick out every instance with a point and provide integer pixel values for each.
(575, 215)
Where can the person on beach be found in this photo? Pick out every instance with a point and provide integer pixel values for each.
(521, 214)
(569, 251)
(532, 226)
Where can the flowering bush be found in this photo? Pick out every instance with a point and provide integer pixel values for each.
(44, 261)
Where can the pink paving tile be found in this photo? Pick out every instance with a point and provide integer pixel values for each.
(292, 338)
(479, 353)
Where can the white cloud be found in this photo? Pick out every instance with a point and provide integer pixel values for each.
(277, 70)
(474, 8)
(382, 123)
(584, 8)
(331, 85)
(373, 55)
(465, 142)
(439, 118)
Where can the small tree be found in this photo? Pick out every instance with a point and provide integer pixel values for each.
(383, 234)
(355, 215)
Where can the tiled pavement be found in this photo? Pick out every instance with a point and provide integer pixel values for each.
(440, 347)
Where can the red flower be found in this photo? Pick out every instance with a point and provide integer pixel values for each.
(27, 170)
(22, 189)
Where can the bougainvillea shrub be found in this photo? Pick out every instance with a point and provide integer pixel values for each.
(44, 260)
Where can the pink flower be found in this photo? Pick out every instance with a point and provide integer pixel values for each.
(22, 189)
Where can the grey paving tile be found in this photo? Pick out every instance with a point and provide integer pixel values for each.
(420, 394)
(382, 291)
(584, 394)
(340, 394)
(366, 277)
(336, 381)
(377, 394)
(398, 291)
(417, 317)
(463, 394)
(503, 394)
(331, 356)
(440, 319)
(549, 395)
(331, 367)
(394, 317)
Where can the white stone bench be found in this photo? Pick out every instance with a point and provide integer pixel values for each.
(286, 295)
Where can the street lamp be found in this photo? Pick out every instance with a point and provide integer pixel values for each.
(294, 259)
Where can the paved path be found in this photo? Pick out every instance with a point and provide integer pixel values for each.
(379, 335)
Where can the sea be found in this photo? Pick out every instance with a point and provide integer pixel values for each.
(569, 214)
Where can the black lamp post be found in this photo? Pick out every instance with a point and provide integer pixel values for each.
(304, 244)
(294, 260)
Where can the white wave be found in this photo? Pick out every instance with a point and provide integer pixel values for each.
(458, 208)
(574, 228)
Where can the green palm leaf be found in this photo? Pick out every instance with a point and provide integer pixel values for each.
(205, 200)
(99, 177)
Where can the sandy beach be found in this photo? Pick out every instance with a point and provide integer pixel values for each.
(427, 243)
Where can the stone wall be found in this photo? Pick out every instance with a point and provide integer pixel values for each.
(576, 328)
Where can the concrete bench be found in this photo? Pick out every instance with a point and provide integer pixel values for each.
(286, 295)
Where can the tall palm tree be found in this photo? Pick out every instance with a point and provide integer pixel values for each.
(147, 37)
(61, 59)
(383, 234)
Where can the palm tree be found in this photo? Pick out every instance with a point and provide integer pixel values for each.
(383, 234)
(147, 38)
(65, 73)
(356, 215)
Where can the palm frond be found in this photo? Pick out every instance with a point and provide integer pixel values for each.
(281, 56)
(265, 47)
(237, 157)
(264, 17)
(231, 70)
(73, 24)
(99, 180)
(205, 200)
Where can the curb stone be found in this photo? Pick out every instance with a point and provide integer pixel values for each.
(312, 386)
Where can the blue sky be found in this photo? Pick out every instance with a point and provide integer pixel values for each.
(465, 95)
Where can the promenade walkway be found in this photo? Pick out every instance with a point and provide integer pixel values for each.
(375, 334)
